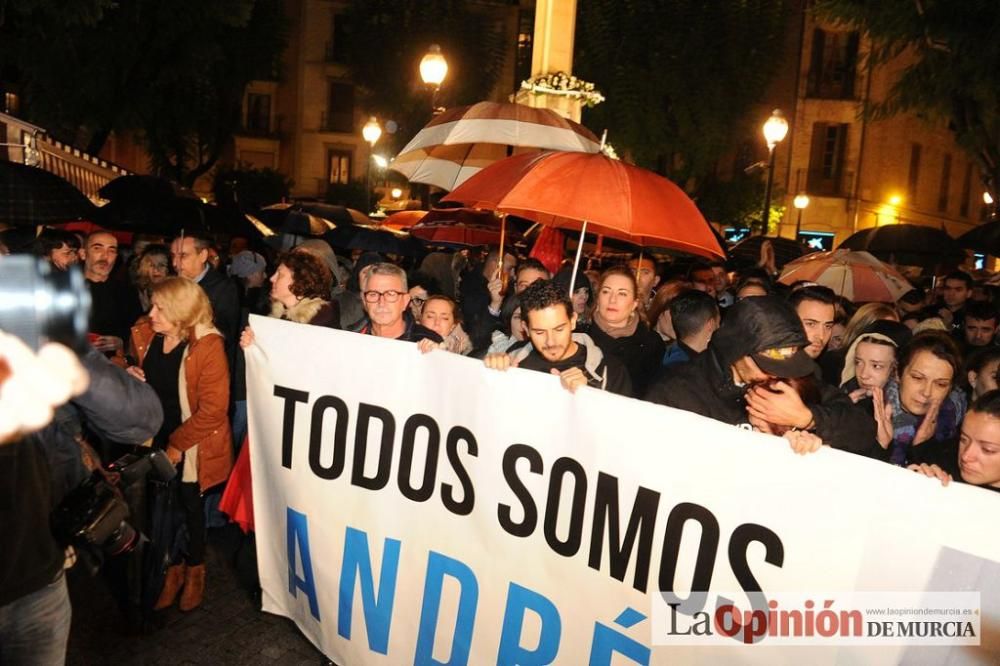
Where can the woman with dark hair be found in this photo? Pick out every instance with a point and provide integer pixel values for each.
(618, 329)
(152, 268)
(513, 332)
(442, 315)
(923, 409)
(300, 291)
(801, 441)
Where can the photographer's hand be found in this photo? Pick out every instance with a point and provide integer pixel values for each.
(33, 385)
(108, 343)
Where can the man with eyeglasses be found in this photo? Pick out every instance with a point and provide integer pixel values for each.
(386, 299)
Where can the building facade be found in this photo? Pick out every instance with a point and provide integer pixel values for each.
(859, 173)
(307, 123)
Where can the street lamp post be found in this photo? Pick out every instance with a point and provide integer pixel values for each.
(801, 201)
(433, 69)
(371, 132)
(775, 130)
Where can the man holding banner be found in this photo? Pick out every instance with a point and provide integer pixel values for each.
(556, 349)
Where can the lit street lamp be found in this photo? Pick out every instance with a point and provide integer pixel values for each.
(775, 130)
(801, 201)
(371, 132)
(433, 69)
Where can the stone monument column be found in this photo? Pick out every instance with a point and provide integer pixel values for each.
(552, 51)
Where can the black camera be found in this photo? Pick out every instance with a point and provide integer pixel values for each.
(93, 517)
(40, 304)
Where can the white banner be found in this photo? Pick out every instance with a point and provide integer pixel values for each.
(422, 509)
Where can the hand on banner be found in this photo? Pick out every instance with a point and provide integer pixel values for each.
(779, 404)
(247, 338)
(803, 442)
(33, 385)
(932, 471)
(425, 346)
(883, 418)
(499, 361)
(929, 425)
(571, 379)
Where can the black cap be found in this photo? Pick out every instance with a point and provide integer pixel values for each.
(768, 329)
(785, 362)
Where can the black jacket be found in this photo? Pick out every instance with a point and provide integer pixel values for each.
(225, 300)
(36, 472)
(603, 372)
(477, 321)
(706, 387)
(641, 353)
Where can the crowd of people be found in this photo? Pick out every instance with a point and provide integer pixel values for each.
(911, 384)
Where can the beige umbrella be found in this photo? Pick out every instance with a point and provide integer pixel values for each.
(460, 142)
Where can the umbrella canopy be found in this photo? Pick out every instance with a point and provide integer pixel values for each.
(908, 244)
(30, 196)
(609, 197)
(290, 219)
(369, 238)
(983, 238)
(144, 190)
(463, 227)
(747, 251)
(336, 214)
(461, 141)
(404, 219)
(857, 276)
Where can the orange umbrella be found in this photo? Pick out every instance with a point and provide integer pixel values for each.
(404, 219)
(592, 192)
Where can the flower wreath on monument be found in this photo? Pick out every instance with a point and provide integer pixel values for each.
(561, 83)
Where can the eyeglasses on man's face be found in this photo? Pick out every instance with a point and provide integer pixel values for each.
(390, 296)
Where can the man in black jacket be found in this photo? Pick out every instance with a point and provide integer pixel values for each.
(556, 349)
(189, 255)
(761, 340)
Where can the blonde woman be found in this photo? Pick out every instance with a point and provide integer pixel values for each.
(154, 267)
(182, 356)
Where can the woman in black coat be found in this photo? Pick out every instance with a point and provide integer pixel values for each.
(618, 329)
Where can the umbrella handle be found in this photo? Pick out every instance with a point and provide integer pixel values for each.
(576, 262)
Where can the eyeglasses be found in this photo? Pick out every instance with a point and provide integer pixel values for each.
(418, 301)
(390, 296)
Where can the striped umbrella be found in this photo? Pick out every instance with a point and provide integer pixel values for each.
(460, 142)
(857, 276)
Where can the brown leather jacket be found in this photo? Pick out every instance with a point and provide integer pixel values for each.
(205, 379)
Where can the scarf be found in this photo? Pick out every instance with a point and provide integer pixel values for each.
(626, 331)
(905, 425)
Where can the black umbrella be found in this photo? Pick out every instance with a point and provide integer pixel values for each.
(983, 238)
(166, 217)
(30, 196)
(336, 214)
(144, 190)
(908, 244)
(747, 251)
(375, 239)
(292, 219)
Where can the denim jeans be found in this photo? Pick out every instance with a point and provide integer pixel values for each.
(35, 628)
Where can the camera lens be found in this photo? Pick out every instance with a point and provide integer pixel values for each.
(121, 541)
(39, 304)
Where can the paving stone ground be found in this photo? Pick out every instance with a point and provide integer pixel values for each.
(228, 628)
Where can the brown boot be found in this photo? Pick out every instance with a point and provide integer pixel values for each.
(194, 588)
(171, 587)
